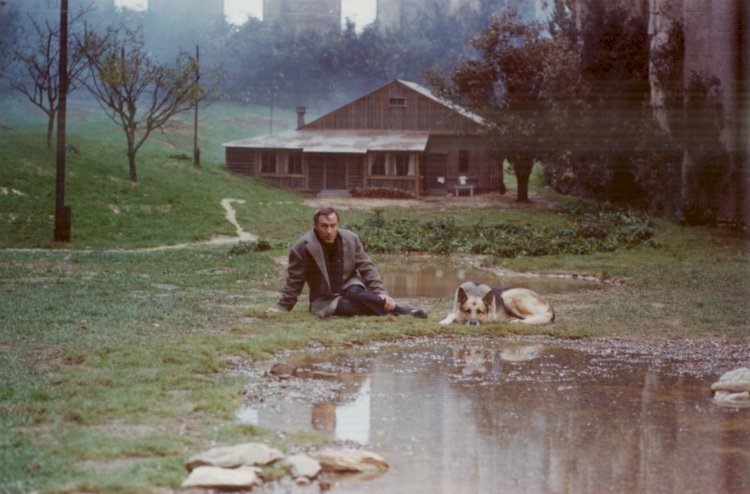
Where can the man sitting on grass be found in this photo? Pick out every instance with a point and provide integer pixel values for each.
(342, 278)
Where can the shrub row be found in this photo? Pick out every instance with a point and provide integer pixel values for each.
(590, 229)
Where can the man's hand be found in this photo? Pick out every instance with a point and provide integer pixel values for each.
(390, 304)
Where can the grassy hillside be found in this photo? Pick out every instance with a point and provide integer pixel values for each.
(172, 202)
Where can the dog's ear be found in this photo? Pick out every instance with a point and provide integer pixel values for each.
(489, 299)
(461, 296)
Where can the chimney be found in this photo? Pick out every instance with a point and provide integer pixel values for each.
(301, 116)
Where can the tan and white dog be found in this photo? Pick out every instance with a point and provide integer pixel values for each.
(477, 304)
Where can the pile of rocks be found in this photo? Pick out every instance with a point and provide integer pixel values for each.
(733, 388)
(238, 467)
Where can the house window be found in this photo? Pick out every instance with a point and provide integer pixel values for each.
(463, 161)
(401, 165)
(392, 164)
(294, 164)
(268, 162)
(377, 166)
(397, 102)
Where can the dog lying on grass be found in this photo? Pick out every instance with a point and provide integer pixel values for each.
(478, 304)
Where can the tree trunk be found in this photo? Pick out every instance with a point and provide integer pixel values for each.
(522, 194)
(131, 160)
(50, 129)
(131, 163)
(502, 189)
(522, 168)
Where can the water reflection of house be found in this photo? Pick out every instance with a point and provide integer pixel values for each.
(399, 136)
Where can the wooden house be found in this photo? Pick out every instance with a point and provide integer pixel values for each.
(399, 136)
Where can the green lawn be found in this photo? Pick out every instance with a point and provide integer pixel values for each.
(116, 364)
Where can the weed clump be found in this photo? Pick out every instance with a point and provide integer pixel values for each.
(243, 248)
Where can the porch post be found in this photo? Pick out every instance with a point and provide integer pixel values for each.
(418, 175)
(306, 171)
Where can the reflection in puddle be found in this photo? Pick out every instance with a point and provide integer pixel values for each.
(527, 416)
(434, 282)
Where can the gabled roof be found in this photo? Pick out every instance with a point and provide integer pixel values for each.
(459, 109)
(311, 138)
(416, 88)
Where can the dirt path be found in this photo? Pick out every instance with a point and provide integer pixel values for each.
(231, 215)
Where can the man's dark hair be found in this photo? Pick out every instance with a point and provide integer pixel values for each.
(325, 212)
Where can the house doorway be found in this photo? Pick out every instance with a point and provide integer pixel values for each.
(436, 166)
(327, 172)
(335, 174)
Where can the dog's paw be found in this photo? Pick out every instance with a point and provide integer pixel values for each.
(446, 321)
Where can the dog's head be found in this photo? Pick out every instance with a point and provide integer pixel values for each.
(476, 304)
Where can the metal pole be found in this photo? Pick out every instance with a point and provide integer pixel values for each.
(196, 149)
(62, 212)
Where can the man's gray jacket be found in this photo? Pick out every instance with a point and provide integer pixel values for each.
(307, 265)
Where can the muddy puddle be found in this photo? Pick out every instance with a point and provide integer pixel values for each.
(520, 414)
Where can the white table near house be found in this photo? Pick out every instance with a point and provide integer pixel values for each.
(459, 188)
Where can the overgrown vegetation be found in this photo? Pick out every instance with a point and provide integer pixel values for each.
(589, 228)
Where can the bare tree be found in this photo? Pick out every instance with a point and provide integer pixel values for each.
(137, 93)
(37, 75)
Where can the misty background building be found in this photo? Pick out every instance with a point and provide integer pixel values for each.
(208, 9)
(303, 14)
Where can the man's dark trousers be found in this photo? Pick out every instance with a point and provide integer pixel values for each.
(359, 301)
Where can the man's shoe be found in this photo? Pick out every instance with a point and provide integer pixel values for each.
(420, 313)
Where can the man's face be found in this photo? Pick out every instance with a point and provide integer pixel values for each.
(327, 227)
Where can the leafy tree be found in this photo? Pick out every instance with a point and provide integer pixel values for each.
(36, 74)
(525, 85)
(621, 153)
(137, 93)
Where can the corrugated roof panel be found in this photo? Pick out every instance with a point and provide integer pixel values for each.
(338, 141)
